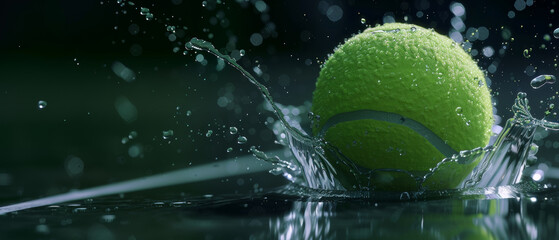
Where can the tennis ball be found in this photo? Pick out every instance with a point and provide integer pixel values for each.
(399, 96)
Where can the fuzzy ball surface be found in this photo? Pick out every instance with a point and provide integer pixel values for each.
(408, 71)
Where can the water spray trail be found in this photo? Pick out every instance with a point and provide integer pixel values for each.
(202, 45)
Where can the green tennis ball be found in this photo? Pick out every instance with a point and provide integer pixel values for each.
(399, 96)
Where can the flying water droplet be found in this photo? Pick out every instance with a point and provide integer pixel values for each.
(209, 133)
(233, 130)
(526, 53)
(149, 16)
(79, 210)
(123, 71)
(42, 229)
(168, 134)
(109, 218)
(541, 80)
(276, 171)
(556, 33)
(405, 196)
(144, 11)
(363, 20)
(42, 104)
(132, 135)
(242, 140)
(178, 204)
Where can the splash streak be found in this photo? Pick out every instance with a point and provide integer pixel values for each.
(501, 164)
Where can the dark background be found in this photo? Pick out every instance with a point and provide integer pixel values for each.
(61, 52)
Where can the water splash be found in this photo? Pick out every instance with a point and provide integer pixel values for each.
(507, 159)
(500, 164)
(317, 171)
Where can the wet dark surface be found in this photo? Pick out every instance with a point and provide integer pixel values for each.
(258, 216)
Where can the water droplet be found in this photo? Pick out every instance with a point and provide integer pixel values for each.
(74, 166)
(135, 151)
(168, 134)
(556, 33)
(526, 53)
(209, 133)
(541, 80)
(521, 95)
(78, 210)
(149, 16)
(204, 3)
(123, 71)
(42, 104)
(276, 171)
(178, 204)
(233, 130)
(229, 150)
(242, 52)
(109, 218)
(241, 140)
(405, 196)
(363, 20)
(459, 110)
(188, 113)
(413, 29)
(538, 175)
(42, 228)
(144, 11)
(132, 135)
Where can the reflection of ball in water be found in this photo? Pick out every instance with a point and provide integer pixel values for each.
(405, 97)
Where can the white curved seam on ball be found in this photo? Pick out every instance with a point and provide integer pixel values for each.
(395, 118)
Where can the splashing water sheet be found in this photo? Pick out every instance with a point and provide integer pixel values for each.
(176, 119)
